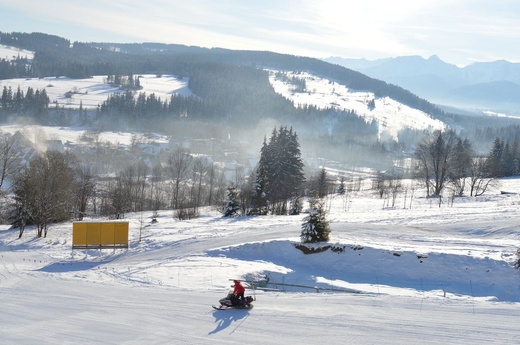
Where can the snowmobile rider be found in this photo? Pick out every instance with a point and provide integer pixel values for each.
(238, 293)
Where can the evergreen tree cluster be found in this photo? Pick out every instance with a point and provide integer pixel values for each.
(504, 159)
(16, 68)
(31, 102)
(279, 173)
(299, 84)
(150, 111)
(33, 41)
(124, 82)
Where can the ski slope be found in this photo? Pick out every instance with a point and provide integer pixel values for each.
(421, 274)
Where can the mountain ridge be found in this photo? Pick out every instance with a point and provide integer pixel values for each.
(441, 82)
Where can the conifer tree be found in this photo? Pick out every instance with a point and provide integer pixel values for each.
(322, 183)
(494, 159)
(261, 183)
(315, 227)
(232, 203)
(295, 206)
(284, 168)
(341, 189)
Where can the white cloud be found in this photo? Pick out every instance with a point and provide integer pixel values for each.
(457, 31)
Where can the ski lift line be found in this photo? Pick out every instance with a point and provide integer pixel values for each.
(254, 286)
(317, 288)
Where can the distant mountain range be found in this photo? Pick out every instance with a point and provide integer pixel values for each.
(493, 86)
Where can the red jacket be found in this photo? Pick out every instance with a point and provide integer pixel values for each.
(238, 289)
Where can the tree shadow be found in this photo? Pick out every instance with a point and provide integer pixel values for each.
(66, 266)
(225, 318)
(77, 265)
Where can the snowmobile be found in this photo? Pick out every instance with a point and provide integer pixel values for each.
(227, 303)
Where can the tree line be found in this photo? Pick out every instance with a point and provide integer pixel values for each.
(444, 160)
(58, 186)
(14, 68)
(31, 102)
(151, 112)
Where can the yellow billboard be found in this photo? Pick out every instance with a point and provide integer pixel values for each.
(99, 235)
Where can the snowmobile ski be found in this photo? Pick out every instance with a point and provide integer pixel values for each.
(225, 307)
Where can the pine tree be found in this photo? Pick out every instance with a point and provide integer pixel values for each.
(341, 189)
(295, 206)
(261, 183)
(284, 168)
(232, 203)
(322, 183)
(315, 227)
(494, 159)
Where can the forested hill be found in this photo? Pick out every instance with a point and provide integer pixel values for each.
(58, 56)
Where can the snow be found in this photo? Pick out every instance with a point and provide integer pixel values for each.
(11, 53)
(407, 274)
(91, 92)
(391, 115)
(72, 135)
(326, 93)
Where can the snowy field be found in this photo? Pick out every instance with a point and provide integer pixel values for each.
(73, 135)
(409, 274)
(12, 53)
(91, 92)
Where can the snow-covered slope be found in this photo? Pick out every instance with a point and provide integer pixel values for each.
(91, 92)
(422, 274)
(324, 93)
(391, 115)
(11, 53)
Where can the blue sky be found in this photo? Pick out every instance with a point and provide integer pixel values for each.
(458, 31)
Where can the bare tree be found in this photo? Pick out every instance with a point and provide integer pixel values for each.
(461, 166)
(379, 183)
(84, 187)
(177, 169)
(140, 185)
(119, 194)
(8, 153)
(201, 169)
(156, 190)
(44, 191)
(212, 177)
(479, 176)
(436, 156)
